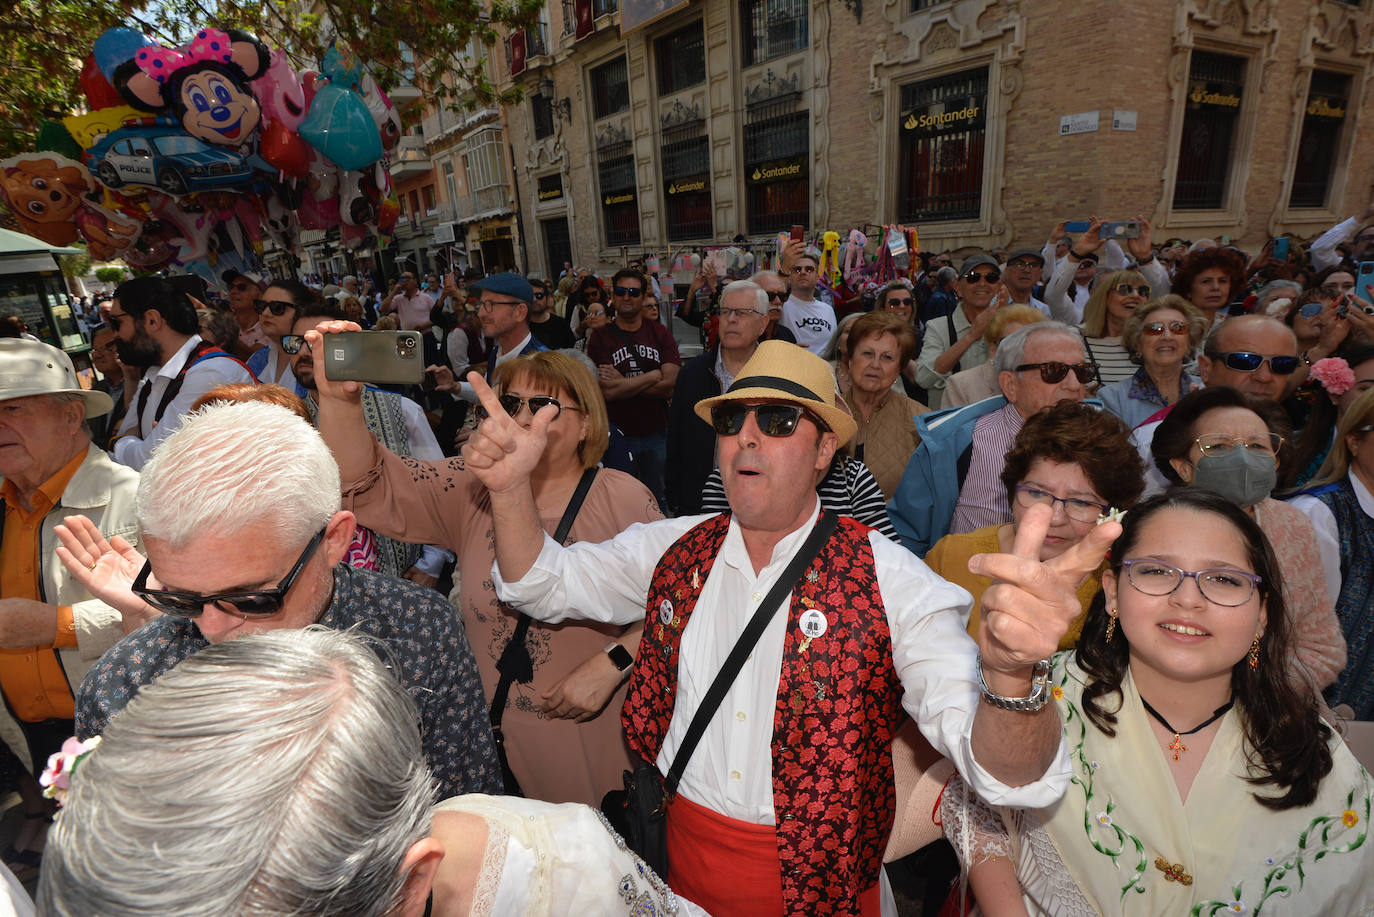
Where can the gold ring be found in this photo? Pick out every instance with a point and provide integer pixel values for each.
(94, 564)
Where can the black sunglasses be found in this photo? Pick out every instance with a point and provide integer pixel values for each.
(1242, 361)
(292, 343)
(512, 404)
(1125, 289)
(278, 306)
(773, 419)
(983, 276)
(628, 291)
(262, 604)
(779, 295)
(908, 302)
(1053, 372)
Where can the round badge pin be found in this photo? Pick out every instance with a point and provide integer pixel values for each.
(813, 623)
(665, 612)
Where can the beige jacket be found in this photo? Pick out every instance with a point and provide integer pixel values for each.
(103, 491)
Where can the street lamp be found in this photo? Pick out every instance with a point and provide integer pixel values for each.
(561, 107)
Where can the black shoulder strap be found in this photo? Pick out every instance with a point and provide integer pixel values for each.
(825, 527)
(953, 336)
(515, 664)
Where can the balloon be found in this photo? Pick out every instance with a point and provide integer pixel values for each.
(284, 150)
(190, 233)
(281, 224)
(99, 93)
(339, 124)
(89, 128)
(115, 46)
(280, 93)
(352, 236)
(45, 192)
(384, 114)
(108, 234)
(152, 250)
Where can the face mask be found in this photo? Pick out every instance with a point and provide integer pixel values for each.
(1243, 476)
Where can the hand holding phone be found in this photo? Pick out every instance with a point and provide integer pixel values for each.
(390, 357)
(798, 232)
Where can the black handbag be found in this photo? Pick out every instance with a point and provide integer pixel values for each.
(637, 812)
(515, 663)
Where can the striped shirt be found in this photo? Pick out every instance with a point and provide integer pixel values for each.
(983, 498)
(847, 488)
(1113, 362)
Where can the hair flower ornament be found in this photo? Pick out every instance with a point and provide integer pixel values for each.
(1111, 515)
(1335, 375)
(56, 778)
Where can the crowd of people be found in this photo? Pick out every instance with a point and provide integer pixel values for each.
(1083, 533)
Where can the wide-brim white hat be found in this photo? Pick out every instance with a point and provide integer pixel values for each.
(33, 368)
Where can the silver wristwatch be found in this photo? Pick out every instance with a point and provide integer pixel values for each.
(1037, 698)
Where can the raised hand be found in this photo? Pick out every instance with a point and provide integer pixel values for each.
(1141, 246)
(1090, 241)
(1031, 604)
(501, 452)
(444, 380)
(106, 568)
(315, 337)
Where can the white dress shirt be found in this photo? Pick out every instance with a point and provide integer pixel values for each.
(1328, 536)
(144, 433)
(731, 771)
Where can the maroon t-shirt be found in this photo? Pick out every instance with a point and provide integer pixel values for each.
(654, 345)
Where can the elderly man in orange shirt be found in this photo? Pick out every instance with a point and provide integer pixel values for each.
(51, 629)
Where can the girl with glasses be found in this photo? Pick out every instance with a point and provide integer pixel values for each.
(1161, 338)
(1225, 441)
(1204, 777)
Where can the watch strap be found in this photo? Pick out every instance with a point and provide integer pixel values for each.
(1037, 698)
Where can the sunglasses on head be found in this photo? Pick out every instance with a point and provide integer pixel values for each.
(982, 277)
(727, 419)
(1156, 328)
(261, 604)
(1243, 361)
(632, 292)
(1053, 372)
(1125, 289)
(278, 307)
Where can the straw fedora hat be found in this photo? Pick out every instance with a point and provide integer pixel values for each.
(781, 371)
(34, 368)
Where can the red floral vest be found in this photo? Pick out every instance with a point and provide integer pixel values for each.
(838, 706)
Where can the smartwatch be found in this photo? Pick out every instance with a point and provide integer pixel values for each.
(620, 657)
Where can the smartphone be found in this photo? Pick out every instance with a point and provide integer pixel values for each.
(1122, 229)
(1077, 226)
(391, 357)
(1280, 249)
(798, 232)
(1364, 280)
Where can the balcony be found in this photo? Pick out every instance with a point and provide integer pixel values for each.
(405, 96)
(484, 203)
(411, 158)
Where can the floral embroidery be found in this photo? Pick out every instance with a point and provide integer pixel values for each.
(1237, 907)
(1350, 818)
(1104, 819)
(1057, 692)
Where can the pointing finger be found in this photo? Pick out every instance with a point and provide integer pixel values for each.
(1031, 531)
(486, 396)
(1086, 556)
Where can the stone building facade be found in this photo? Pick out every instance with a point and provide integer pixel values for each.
(979, 122)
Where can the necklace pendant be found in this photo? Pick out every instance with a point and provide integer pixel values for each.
(1177, 746)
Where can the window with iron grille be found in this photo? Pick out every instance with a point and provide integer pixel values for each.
(1216, 84)
(1328, 97)
(681, 59)
(918, 5)
(943, 125)
(777, 156)
(615, 168)
(610, 88)
(686, 158)
(773, 28)
(541, 110)
(604, 7)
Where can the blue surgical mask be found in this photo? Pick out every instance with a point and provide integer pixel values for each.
(1243, 476)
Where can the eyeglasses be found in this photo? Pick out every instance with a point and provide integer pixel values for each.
(595, 312)
(1367, 428)
(261, 604)
(1125, 289)
(804, 269)
(632, 292)
(1023, 263)
(1219, 585)
(1336, 289)
(1243, 361)
(1218, 443)
(489, 305)
(738, 314)
(278, 306)
(1157, 328)
(241, 285)
(908, 302)
(1052, 372)
(513, 403)
(538, 295)
(982, 277)
(292, 343)
(1311, 309)
(1076, 509)
(773, 419)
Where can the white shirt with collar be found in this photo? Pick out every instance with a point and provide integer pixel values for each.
(1328, 535)
(138, 436)
(466, 392)
(731, 771)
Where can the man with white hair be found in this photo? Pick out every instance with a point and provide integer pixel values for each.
(296, 754)
(51, 627)
(691, 443)
(241, 517)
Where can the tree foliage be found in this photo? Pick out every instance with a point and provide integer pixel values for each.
(422, 42)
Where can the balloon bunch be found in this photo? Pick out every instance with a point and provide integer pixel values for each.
(191, 156)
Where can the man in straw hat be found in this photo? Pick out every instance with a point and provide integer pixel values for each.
(787, 804)
(51, 629)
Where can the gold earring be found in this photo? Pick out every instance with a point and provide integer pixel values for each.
(1111, 625)
(1254, 653)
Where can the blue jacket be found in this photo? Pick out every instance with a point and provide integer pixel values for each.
(924, 502)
